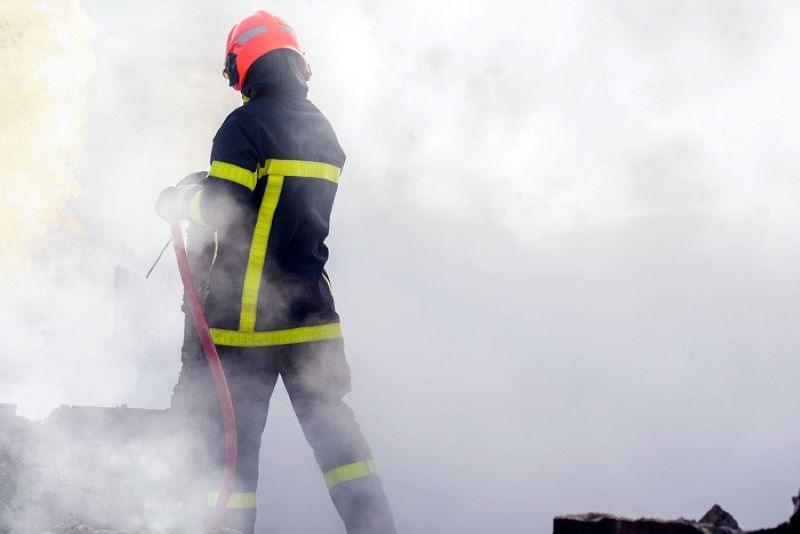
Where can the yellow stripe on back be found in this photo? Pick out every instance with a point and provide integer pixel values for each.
(289, 336)
(258, 253)
(275, 170)
(302, 169)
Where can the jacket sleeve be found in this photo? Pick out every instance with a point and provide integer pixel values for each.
(224, 195)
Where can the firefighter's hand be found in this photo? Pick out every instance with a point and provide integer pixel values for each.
(166, 205)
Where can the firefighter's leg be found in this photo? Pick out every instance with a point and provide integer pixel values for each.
(316, 376)
(194, 407)
(195, 431)
(251, 377)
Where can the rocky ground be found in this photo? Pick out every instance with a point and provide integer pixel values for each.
(110, 467)
(715, 521)
(105, 462)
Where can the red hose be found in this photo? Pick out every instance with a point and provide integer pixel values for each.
(223, 393)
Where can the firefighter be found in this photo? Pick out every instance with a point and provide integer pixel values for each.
(275, 168)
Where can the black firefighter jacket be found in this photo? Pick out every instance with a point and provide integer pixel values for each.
(275, 165)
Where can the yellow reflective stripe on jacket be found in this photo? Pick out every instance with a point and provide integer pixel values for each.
(289, 336)
(184, 192)
(276, 170)
(233, 173)
(194, 208)
(187, 202)
(346, 473)
(302, 169)
(258, 253)
(241, 500)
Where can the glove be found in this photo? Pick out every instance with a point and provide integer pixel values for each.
(166, 205)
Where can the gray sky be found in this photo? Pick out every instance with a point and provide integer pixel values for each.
(565, 250)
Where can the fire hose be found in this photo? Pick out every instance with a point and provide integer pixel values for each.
(223, 393)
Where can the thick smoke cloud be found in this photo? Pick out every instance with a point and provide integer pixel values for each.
(564, 250)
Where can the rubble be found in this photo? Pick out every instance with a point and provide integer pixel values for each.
(715, 521)
(112, 468)
(719, 518)
(84, 465)
(594, 523)
(109, 470)
(15, 432)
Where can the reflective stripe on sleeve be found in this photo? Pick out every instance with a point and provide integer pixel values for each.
(185, 192)
(290, 336)
(258, 253)
(194, 208)
(346, 473)
(303, 169)
(233, 173)
(187, 202)
(240, 500)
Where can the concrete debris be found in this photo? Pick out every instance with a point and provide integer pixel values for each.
(715, 521)
(594, 523)
(719, 518)
(111, 467)
(120, 470)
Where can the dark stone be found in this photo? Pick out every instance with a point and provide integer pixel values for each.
(715, 521)
(719, 518)
(609, 524)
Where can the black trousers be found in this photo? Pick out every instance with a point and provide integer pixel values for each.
(316, 377)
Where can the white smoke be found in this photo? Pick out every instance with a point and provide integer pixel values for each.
(563, 248)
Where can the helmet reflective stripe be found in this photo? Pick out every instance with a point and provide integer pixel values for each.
(249, 34)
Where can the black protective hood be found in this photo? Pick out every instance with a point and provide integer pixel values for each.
(280, 72)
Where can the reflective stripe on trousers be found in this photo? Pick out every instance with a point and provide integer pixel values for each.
(238, 500)
(348, 472)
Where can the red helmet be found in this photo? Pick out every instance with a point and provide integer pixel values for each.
(255, 36)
